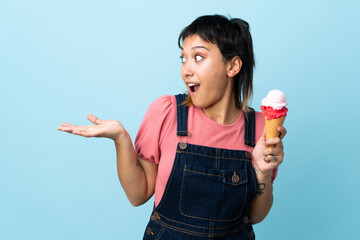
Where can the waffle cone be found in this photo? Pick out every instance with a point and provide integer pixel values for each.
(271, 126)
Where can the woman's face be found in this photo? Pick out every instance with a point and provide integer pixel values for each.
(204, 72)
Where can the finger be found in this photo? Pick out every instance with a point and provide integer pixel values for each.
(273, 141)
(272, 151)
(267, 158)
(278, 155)
(68, 125)
(65, 129)
(279, 145)
(77, 130)
(270, 158)
(83, 131)
(282, 131)
(94, 119)
(277, 150)
(263, 135)
(273, 159)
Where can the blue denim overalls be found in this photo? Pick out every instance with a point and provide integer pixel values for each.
(209, 190)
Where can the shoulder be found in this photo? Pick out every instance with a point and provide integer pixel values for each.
(163, 104)
(158, 118)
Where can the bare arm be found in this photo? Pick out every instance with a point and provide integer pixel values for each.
(265, 161)
(136, 176)
(263, 201)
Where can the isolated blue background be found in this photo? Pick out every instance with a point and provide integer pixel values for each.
(61, 60)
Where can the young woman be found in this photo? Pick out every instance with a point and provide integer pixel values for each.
(204, 153)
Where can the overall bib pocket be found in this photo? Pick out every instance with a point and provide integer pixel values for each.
(213, 194)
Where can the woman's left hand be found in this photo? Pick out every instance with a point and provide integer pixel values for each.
(266, 159)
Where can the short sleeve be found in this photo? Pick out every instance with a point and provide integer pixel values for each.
(259, 129)
(152, 128)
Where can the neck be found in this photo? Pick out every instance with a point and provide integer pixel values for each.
(223, 112)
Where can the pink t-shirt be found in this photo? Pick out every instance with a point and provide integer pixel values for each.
(156, 140)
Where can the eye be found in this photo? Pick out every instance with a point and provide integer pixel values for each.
(198, 58)
(183, 59)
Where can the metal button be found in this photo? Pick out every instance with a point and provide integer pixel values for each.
(246, 219)
(235, 178)
(248, 154)
(155, 216)
(183, 146)
(148, 231)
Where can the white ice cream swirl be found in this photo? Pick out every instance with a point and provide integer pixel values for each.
(275, 99)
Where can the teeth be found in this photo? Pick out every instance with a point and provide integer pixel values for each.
(192, 84)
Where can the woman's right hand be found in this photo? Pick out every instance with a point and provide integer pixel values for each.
(112, 129)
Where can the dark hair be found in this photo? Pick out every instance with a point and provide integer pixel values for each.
(233, 38)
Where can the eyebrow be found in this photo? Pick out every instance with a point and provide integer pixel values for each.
(196, 47)
(199, 47)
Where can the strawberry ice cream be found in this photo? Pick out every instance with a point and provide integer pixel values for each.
(274, 109)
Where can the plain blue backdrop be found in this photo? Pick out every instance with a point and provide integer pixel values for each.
(62, 60)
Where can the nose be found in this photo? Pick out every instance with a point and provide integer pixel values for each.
(186, 71)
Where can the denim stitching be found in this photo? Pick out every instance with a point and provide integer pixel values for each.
(249, 141)
(181, 189)
(182, 112)
(182, 230)
(177, 114)
(217, 159)
(168, 184)
(243, 172)
(246, 191)
(180, 123)
(217, 165)
(249, 135)
(207, 219)
(240, 159)
(179, 229)
(220, 220)
(246, 128)
(184, 115)
(247, 233)
(195, 226)
(184, 121)
(202, 173)
(252, 170)
(211, 230)
(160, 233)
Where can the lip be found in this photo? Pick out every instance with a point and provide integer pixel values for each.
(189, 89)
(191, 82)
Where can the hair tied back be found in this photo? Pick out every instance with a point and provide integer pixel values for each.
(240, 23)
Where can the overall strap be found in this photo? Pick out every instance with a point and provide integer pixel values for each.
(182, 115)
(249, 136)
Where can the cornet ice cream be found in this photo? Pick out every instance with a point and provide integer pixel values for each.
(274, 109)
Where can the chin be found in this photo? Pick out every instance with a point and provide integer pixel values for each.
(201, 104)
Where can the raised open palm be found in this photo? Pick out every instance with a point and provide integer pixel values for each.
(103, 128)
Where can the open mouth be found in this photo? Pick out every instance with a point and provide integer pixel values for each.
(193, 87)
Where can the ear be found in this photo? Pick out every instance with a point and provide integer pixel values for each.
(234, 66)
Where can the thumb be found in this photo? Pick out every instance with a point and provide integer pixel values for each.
(263, 136)
(262, 139)
(94, 119)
